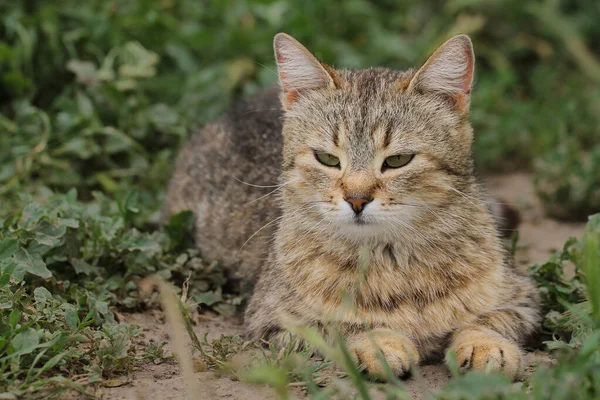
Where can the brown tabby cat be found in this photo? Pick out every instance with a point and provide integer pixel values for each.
(374, 162)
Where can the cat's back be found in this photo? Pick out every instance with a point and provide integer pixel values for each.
(221, 174)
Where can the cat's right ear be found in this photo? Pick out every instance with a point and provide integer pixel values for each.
(299, 70)
(449, 73)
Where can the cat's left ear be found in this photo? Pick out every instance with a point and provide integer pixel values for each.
(449, 73)
(299, 70)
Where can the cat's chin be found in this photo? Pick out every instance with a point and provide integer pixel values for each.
(361, 229)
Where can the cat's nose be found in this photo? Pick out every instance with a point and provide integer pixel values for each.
(358, 203)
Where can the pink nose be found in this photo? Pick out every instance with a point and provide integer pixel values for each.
(358, 203)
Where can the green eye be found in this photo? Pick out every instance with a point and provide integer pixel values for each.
(397, 161)
(327, 159)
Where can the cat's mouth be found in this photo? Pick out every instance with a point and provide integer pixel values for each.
(359, 220)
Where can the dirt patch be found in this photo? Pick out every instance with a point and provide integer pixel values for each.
(539, 237)
(163, 381)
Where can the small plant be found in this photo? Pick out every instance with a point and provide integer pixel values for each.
(155, 352)
(566, 300)
(63, 265)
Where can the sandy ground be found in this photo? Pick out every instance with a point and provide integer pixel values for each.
(539, 237)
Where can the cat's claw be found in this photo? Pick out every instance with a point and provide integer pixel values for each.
(486, 352)
(398, 350)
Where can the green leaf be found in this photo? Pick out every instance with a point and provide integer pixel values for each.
(26, 341)
(591, 268)
(8, 247)
(70, 222)
(8, 268)
(82, 147)
(48, 234)
(6, 298)
(129, 207)
(271, 375)
(82, 267)
(209, 298)
(51, 363)
(42, 295)
(5, 277)
(71, 317)
(593, 224)
(135, 240)
(225, 309)
(179, 227)
(71, 196)
(32, 263)
(14, 318)
(85, 105)
(32, 213)
(84, 71)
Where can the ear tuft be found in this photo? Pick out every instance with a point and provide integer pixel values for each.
(298, 69)
(449, 72)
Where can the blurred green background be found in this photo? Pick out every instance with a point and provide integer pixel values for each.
(99, 94)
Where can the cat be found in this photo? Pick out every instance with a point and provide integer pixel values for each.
(359, 184)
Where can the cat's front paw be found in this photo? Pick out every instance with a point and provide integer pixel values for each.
(486, 352)
(398, 350)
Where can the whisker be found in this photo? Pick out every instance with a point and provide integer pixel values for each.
(466, 196)
(260, 186)
(268, 194)
(271, 222)
(267, 68)
(435, 212)
(260, 229)
(263, 110)
(406, 204)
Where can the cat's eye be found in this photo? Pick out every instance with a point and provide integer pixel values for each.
(397, 161)
(327, 159)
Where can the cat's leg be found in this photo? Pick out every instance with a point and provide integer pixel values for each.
(399, 352)
(262, 320)
(491, 343)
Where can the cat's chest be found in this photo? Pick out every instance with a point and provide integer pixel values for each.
(388, 288)
(338, 269)
(382, 279)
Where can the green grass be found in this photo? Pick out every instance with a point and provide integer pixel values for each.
(63, 265)
(96, 97)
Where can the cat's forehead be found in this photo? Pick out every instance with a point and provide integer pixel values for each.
(373, 81)
(374, 99)
(371, 104)
(366, 96)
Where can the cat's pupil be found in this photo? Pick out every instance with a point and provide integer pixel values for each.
(327, 159)
(397, 161)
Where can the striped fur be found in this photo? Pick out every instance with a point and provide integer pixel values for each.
(420, 270)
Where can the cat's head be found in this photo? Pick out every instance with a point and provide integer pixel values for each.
(370, 152)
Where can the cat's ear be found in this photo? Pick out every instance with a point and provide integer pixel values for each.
(298, 69)
(449, 73)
